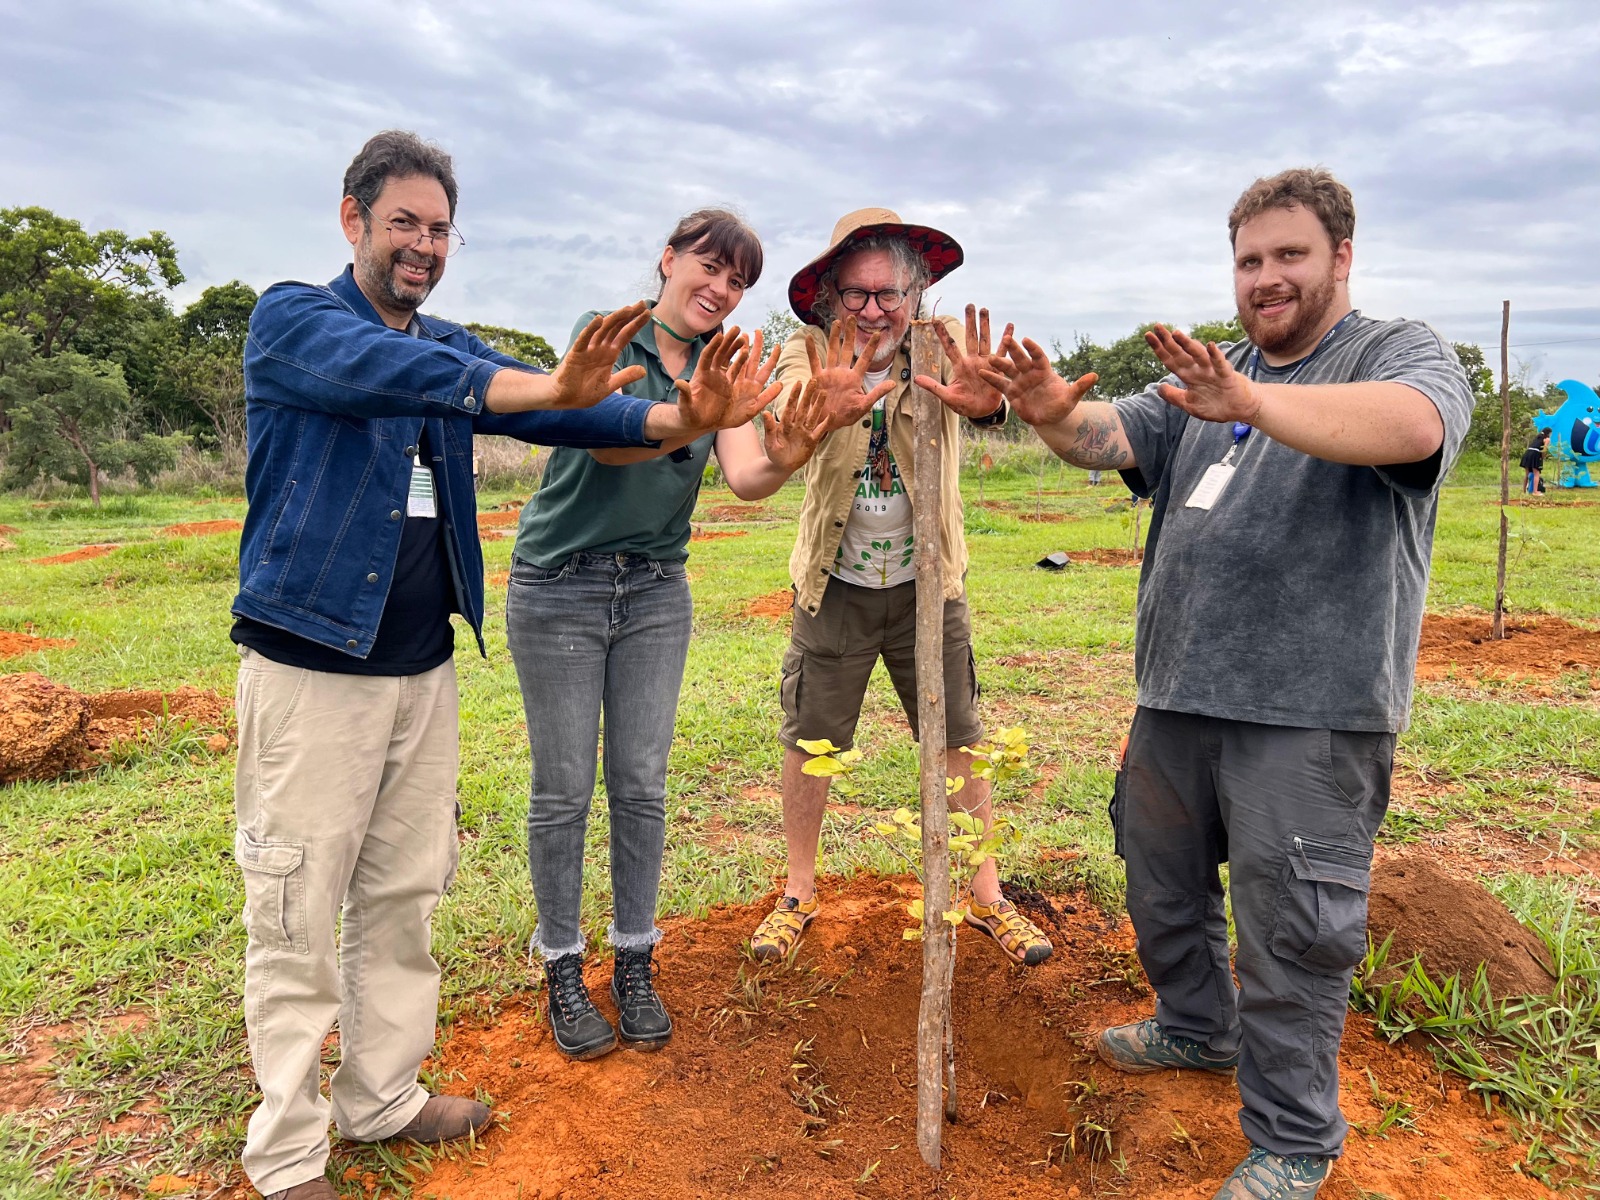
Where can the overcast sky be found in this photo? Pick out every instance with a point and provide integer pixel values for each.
(1085, 158)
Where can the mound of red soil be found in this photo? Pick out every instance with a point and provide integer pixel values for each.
(490, 535)
(800, 1082)
(78, 555)
(734, 512)
(8, 530)
(1454, 924)
(1542, 649)
(1048, 518)
(498, 520)
(497, 579)
(118, 716)
(13, 644)
(1102, 556)
(712, 535)
(43, 728)
(202, 528)
(774, 605)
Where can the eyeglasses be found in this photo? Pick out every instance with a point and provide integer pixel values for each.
(855, 299)
(405, 234)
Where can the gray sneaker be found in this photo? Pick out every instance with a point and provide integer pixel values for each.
(1264, 1175)
(1144, 1046)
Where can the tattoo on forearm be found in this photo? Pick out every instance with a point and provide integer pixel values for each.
(1097, 444)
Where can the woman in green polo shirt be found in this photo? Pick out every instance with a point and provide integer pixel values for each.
(598, 615)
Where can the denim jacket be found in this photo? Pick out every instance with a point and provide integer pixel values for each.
(335, 404)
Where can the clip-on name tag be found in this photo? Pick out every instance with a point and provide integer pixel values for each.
(1218, 475)
(420, 500)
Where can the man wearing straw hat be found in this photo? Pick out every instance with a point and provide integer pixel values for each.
(854, 584)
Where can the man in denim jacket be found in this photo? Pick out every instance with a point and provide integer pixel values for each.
(361, 540)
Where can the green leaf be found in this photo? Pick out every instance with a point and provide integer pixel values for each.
(823, 765)
(816, 746)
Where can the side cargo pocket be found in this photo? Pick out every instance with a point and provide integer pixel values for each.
(1321, 921)
(274, 891)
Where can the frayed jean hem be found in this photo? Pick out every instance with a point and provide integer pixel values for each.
(550, 953)
(633, 941)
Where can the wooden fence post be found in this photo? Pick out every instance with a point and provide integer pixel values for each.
(1498, 632)
(937, 949)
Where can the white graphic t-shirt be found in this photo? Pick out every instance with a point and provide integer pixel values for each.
(875, 550)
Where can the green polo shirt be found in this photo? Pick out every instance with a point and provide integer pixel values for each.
(642, 508)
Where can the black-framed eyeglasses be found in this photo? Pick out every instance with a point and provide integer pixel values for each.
(406, 234)
(889, 299)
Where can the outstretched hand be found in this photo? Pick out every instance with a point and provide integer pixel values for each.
(969, 392)
(584, 376)
(792, 438)
(842, 375)
(751, 393)
(706, 396)
(1023, 371)
(1212, 390)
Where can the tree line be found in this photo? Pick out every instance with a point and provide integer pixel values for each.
(100, 376)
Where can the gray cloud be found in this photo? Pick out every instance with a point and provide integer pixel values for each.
(1085, 159)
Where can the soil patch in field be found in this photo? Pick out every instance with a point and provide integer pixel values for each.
(714, 535)
(1534, 649)
(774, 605)
(734, 512)
(1106, 556)
(202, 528)
(498, 520)
(497, 579)
(78, 555)
(48, 730)
(1454, 924)
(13, 644)
(1048, 518)
(9, 531)
(799, 1080)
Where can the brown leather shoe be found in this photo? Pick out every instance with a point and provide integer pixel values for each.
(312, 1189)
(445, 1118)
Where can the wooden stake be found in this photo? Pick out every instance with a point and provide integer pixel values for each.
(1498, 632)
(934, 1014)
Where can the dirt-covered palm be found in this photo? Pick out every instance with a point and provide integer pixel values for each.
(968, 392)
(1023, 371)
(842, 375)
(751, 390)
(704, 398)
(793, 435)
(1212, 390)
(586, 374)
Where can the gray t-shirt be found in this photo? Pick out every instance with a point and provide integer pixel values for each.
(1296, 599)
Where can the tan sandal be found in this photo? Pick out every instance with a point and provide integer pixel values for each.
(781, 928)
(1020, 938)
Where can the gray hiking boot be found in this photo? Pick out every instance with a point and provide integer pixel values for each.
(1264, 1175)
(1144, 1046)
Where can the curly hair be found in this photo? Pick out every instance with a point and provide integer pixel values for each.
(397, 154)
(909, 265)
(1306, 187)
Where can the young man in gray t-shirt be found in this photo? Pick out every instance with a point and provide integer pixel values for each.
(1294, 479)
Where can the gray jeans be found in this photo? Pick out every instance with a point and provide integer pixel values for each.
(1293, 813)
(601, 632)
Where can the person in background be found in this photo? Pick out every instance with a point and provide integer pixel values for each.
(1533, 463)
(598, 617)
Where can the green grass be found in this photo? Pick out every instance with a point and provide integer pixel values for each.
(121, 898)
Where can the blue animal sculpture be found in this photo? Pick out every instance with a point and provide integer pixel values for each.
(1574, 430)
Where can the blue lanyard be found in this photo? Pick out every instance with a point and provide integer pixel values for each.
(1253, 366)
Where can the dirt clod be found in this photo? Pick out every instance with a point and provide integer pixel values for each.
(43, 728)
(1454, 924)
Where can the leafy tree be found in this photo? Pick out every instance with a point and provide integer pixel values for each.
(525, 347)
(57, 279)
(221, 316)
(778, 327)
(71, 419)
(205, 365)
(1128, 365)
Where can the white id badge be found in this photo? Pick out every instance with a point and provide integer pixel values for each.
(1216, 478)
(420, 501)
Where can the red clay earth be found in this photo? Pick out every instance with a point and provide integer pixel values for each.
(774, 605)
(801, 1082)
(497, 579)
(48, 730)
(1102, 556)
(733, 512)
(78, 555)
(13, 644)
(1048, 518)
(8, 530)
(712, 535)
(497, 520)
(1453, 924)
(1535, 649)
(202, 528)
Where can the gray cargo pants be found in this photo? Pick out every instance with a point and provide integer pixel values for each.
(1293, 812)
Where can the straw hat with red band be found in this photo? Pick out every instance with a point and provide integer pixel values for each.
(939, 251)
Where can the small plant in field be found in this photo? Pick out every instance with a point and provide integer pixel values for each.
(1393, 1113)
(1132, 509)
(972, 843)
